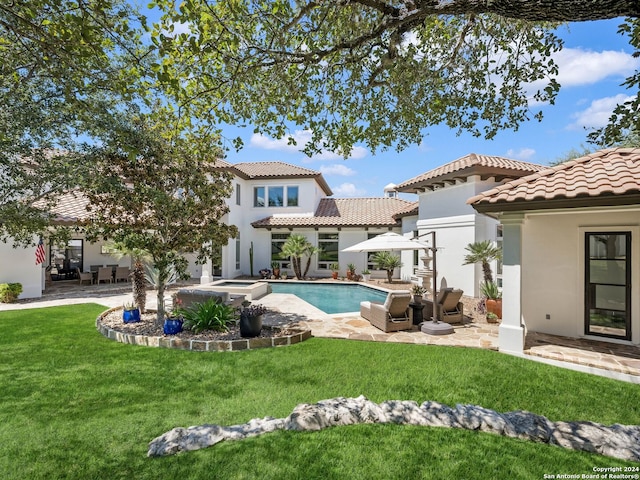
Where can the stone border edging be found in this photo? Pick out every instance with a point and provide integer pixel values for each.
(200, 345)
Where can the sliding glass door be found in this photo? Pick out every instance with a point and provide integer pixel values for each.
(608, 284)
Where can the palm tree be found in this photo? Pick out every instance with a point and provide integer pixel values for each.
(387, 261)
(138, 280)
(484, 253)
(309, 252)
(295, 247)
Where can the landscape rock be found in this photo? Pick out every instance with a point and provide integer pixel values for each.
(617, 441)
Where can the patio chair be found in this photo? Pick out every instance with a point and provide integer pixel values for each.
(451, 309)
(392, 315)
(104, 273)
(122, 273)
(85, 277)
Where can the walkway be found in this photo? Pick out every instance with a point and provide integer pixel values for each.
(617, 361)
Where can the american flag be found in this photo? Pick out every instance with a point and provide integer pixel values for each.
(40, 252)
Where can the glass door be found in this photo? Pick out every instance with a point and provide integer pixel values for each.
(608, 284)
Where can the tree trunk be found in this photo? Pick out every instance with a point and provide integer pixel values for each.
(160, 297)
(486, 269)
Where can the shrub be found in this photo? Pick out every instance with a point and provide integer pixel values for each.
(209, 315)
(9, 292)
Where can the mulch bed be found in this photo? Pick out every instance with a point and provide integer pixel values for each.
(147, 326)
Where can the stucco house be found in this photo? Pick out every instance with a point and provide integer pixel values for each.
(571, 243)
(443, 209)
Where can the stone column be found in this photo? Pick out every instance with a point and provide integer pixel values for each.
(511, 331)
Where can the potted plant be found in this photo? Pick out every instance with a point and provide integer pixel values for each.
(251, 319)
(130, 313)
(351, 271)
(284, 275)
(174, 320)
(493, 298)
(417, 292)
(265, 273)
(335, 269)
(366, 275)
(492, 318)
(275, 265)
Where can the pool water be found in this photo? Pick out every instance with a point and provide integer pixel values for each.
(331, 298)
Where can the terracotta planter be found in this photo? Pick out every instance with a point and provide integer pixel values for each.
(494, 306)
(334, 275)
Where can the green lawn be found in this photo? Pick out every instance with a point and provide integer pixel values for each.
(76, 405)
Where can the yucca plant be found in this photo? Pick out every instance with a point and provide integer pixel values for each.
(209, 315)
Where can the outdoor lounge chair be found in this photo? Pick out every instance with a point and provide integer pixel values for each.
(392, 315)
(450, 308)
(122, 273)
(85, 277)
(105, 274)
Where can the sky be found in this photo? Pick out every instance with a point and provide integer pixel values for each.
(593, 64)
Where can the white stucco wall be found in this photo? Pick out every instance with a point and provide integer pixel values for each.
(456, 224)
(553, 267)
(19, 266)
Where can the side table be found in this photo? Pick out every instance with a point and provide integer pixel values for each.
(417, 312)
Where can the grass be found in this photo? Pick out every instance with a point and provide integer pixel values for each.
(75, 405)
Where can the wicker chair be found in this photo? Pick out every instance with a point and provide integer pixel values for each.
(451, 309)
(122, 273)
(106, 274)
(85, 277)
(392, 315)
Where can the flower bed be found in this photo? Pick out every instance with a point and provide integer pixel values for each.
(147, 333)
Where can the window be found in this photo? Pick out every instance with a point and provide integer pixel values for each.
(370, 264)
(499, 262)
(276, 196)
(608, 284)
(238, 252)
(65, 259)
(328, 244)
(237, 194)
(277, 241)
(258, 196)
(292, 196)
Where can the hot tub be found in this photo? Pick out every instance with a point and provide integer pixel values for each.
(252, 290)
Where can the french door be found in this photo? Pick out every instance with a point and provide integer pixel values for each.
(608, 284)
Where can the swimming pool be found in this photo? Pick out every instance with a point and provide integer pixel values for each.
(331, 298)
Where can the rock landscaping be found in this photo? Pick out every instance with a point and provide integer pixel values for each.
(617, 441)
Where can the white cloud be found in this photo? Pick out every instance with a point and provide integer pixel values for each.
(524, 154)
(597, 114)
(584, 67)
(302, 137)
(348, 190)
(337, 169)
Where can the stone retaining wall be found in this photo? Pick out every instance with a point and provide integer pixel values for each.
(203, 345)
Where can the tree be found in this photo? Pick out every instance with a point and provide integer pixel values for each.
(371, 71)
(64, 64)
(138, 282)
(296, 247)
(484, 253)
(155, 185)
(387, 261)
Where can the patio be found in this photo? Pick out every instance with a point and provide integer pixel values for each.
(475, 333)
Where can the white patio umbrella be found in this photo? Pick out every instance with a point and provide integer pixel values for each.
(389, 241)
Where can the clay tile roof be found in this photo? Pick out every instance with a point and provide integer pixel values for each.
(71, 208)
(269, 170)
(472, 164)
(346, 212)
(606, 177)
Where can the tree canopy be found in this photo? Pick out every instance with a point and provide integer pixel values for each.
(65, 65)
(157, 187)
(371, 71)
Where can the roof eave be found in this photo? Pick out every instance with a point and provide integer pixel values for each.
(557, 203)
